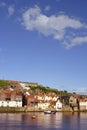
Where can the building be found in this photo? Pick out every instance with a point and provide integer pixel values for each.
(10, 98)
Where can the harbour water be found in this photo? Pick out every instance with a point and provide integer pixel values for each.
(58, 121)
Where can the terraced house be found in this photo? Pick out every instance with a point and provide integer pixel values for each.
(10, 98)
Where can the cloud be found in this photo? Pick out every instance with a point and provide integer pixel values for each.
(81, 90)
(56, 25)
(47, 8)
(77, 41)
(10, 10)
(3, 4)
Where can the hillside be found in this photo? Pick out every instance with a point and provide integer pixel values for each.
(25, 86)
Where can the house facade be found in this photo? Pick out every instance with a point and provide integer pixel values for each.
(10, 98)
(58, 105)
(43, 105)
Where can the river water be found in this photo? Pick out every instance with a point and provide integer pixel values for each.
(58, 121)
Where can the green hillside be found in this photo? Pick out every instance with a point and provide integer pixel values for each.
(4, 84)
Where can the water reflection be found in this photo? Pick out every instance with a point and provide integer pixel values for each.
(61, 121)
(71, 121)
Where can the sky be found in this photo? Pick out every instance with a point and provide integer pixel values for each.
(44, 41)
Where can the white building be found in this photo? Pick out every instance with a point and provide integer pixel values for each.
(83, 104)
(58, 105)
(47, 98)
(10, 104)
(24, 86)
(43, 105)
(55, 98)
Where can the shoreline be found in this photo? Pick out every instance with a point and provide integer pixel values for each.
(25, 110)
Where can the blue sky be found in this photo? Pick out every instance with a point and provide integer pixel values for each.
(44, 41)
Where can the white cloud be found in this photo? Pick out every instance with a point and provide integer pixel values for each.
(10, 10)
(81, 90)
(55, 25)
(47, 8)
(77, 41)
(3, 4)
(72, 42)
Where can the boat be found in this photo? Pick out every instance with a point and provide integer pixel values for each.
(53, 112)
(47, 112)
(33, 117)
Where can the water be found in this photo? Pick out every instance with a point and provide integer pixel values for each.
(59, 121)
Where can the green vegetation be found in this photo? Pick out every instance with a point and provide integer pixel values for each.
(4, 84)
(43, 89)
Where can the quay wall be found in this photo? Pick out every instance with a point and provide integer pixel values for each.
(31, 109)
(11, 109)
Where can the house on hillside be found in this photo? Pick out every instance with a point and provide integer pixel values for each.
(10, 98)
(58, 105)
(83, 102)
(47, 98)
(43, 105)
(24, 86)
(65, 99)
(15, 85)
(32, 84)
(32, 101)
(40, 96)
(74, 100)
(55, 98)
(83, 105)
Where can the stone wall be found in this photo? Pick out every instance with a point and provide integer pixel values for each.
(11, 109)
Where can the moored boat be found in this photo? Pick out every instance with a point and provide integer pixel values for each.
(33, 117)
(53, 112)
(47, 112)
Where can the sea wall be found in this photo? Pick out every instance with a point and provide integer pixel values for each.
(32, 109)
(11, 109)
